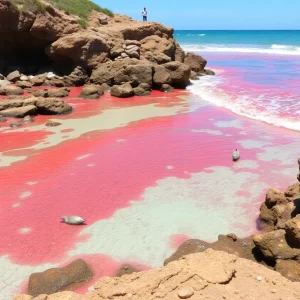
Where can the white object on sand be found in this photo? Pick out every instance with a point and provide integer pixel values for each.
(73, 220)
(236, 155)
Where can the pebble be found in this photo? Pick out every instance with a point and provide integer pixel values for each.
(259, 278)
(52, 124)
(129, 295)
(185, 293)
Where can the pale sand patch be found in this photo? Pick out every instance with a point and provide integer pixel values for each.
(25, 194)
(91, 165)
(7, 160)
(13, 275)
(107, 119)
(17, 204)
(170, 167)
(252, 144)
(202, 206)
(83, 156)
(229, 124)
(249, 164)
(209, 131)
(286, 154)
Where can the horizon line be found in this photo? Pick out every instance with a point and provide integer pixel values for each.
(240, 29)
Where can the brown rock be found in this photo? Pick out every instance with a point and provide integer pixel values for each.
(122, 91)
(41, 93)
(58, 279)
(126, 270)
(153, 46)
(38, 80)
(196, 62)
(13, 90)
(85, 48)
(52, 124)
(24, 84)
(145, 86)
(273, 245)
(289, 269)
(63, 92)
(166, 88)
(19, 112)
(4, 83)
(52, 106)
(23, 297)
(77, 77)
(274, 197)
(14, 76)
(179, 53)
(161, 76)
(267, 217)
(91, 92)
(209, 72)
(211, 275)
(180, 73)
(138, 91)
(293, 231)
(3, 120)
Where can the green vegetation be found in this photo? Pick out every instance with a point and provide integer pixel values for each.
(80, 8)
(29, 5)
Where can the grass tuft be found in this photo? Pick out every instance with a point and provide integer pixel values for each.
(29, 5)
(80, 8)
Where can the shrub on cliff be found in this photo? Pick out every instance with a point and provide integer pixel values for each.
(80, 8)
(29, 5)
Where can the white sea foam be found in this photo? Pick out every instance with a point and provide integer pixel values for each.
(274, 49)
(245, 104)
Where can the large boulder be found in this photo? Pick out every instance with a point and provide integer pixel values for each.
(87, 49)
(293, 231)
(52, 106)
(180, 73)
(19, 112)
(179, 53)
(77, 77)
(58, 279)
(53, 24)
(14, 76)
(273, 245)
(157, 49)
(135, 75)
(197, 63)
(105, 73)
(24, 84)
(161, 76)
(11, 90)
(122, 91)
(12, 103)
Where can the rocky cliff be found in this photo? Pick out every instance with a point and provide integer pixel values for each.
(51, 39)
(208, 275)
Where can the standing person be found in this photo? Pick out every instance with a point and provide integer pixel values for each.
(144, 14)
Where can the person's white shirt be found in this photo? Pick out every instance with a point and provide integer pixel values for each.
(144, 13)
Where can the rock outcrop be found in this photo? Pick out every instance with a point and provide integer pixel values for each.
(207, 275)
(48, 47)
(59, 279)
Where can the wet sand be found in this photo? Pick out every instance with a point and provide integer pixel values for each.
(146, 172)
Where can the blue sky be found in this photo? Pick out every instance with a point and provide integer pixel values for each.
(213, 14)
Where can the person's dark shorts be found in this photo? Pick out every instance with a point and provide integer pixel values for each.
(144, 18)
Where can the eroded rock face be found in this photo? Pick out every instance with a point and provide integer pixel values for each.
(196, 62)
(293, 231)
(19, 112)
(179, 73)
(58, 279)
(207, 275)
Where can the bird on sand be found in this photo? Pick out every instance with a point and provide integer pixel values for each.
(72, 220)
(236, 155)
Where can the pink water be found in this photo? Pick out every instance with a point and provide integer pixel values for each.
(147, 174)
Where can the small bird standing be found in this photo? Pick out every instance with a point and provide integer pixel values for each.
(72, 220)
(236, 155)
